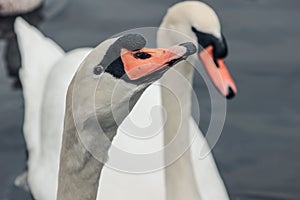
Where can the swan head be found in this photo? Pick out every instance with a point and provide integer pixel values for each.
(121, 67)
(127, 59)
(114, 75)
(200, 22)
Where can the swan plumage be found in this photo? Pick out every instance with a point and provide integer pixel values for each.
(44, 84)
(52, 69)
(12, 7)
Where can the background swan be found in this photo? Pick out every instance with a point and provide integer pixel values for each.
(43, 152)
(201, 24)
(10, 7)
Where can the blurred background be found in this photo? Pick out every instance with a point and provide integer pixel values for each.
(258, 152)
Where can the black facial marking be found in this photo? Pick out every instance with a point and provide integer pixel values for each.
(112, 62)
(205, 40)
(116, 68)
(142, 55)
(220, 48)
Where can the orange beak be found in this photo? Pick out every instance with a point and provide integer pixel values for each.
(219, 75)
(156, 59)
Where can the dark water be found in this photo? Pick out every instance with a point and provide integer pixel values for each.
(258, 152)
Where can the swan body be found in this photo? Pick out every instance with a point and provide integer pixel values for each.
(45, 94)
(11, 7)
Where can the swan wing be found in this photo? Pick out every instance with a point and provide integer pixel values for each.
(38, 55)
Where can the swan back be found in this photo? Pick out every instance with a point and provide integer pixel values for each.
(45, 75)
(38, 55)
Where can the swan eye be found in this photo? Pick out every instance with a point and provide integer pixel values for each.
(142, 55)
(98, 70)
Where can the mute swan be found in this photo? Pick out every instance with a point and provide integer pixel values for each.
(201, 24)
(11, 7)
(125, 70)
(42, 140)
(44, 143)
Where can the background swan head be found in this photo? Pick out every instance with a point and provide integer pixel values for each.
(200, 22)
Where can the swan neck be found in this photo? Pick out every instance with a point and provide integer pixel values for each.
(81, 167)
(176, 99)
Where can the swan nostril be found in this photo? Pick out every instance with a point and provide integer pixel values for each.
(230, 94)
(142, 55)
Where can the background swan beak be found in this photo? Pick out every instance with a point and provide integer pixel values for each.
(218, 73)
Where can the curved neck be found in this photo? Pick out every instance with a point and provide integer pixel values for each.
(79, 171)
(80, 168)
(176, 99)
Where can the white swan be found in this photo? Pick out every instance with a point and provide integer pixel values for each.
(51, 81)
(116, 73)
(11, 7)
(47, 108)
(197, 178)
